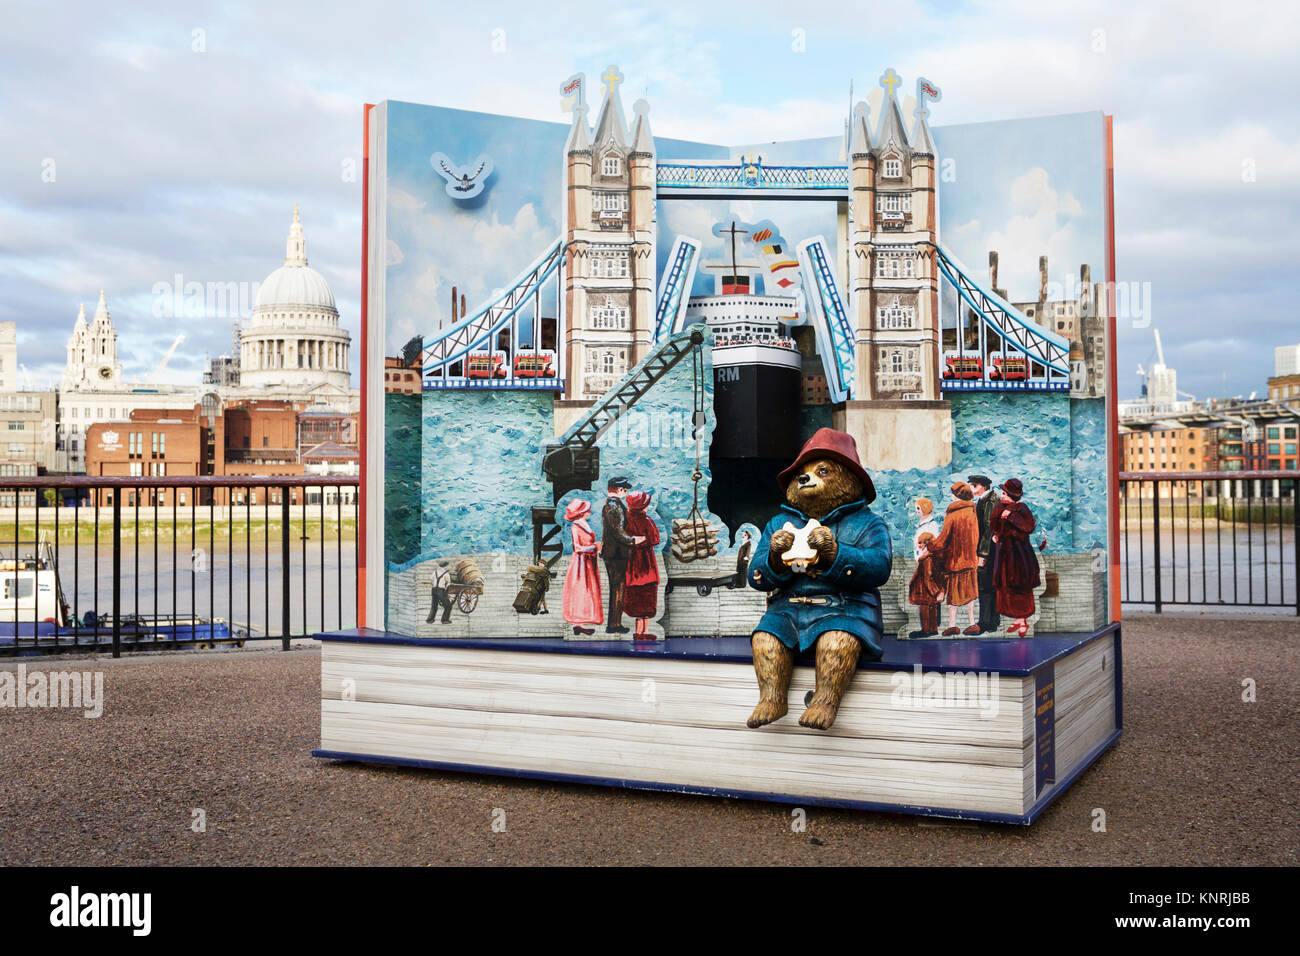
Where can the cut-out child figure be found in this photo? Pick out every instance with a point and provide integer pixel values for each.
(924, 590)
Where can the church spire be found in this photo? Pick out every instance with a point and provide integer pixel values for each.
(891, 124)
(578, 140)
(295, 249)
(860, 143)
(642, 141)
(81, 317)
(101, 310)
(610, 125)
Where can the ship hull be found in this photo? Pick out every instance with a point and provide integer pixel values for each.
(757, 409)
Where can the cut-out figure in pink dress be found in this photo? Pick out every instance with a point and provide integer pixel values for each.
(581, 595)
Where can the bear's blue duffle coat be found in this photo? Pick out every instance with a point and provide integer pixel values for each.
(843, 597)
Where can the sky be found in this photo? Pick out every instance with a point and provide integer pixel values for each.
(148, 146)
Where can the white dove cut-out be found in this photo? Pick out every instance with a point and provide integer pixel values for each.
(800, 556)
(463, 182)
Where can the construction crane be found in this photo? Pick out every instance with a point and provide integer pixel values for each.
(573, 462)
(1161, 379)
(157, 372)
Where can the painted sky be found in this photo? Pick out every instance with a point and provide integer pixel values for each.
(180, 135)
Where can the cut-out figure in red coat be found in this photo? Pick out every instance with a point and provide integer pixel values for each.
(581, 595)
(1015, 566)
(641, 597)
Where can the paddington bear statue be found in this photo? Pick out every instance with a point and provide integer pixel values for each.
(831, 603)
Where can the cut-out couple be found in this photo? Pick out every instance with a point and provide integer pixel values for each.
(627, 546)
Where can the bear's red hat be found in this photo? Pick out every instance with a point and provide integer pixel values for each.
(828, 443)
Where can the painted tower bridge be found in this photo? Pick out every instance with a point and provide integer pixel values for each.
(591, 306)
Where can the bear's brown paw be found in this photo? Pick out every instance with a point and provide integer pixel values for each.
(820, 715)
(768, 710)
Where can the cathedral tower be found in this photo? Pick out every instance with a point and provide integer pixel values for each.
(92, 352)
(609, 268)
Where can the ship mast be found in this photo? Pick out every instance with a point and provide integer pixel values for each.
(735, 265)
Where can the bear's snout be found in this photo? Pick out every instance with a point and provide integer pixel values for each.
(804, 479)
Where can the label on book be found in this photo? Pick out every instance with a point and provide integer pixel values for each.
(1044, 727)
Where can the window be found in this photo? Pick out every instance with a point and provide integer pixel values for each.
(612, 202)
(896, 316)
(606, 361)
(893, 168)
(901, 360)
(611, 165)
(895, 266)
(609, 264)
(609, 316)
(18, 588)
(17, 426)
(894, 202)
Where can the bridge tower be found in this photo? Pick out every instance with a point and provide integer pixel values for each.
(898, 415)
(609, 269)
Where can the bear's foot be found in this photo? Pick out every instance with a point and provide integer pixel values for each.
(773, 665)
(768, 710)
(820, 715)
(837, 659)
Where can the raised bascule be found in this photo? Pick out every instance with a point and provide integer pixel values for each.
(889, 353)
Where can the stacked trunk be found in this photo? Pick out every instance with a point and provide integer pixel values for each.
(693, 538)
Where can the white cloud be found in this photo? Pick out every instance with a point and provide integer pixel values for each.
(471, 252)
(171, 160)
(1038, 223)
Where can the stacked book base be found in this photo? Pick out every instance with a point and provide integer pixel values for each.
(992, 730)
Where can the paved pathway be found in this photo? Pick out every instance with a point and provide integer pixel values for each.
(1198, 778)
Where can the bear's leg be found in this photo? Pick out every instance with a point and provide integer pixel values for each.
(773, 664)
(837, 659)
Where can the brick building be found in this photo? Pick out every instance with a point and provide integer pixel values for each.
(1280, 451)
(249, 437)
(400, 378)
(155, 442)
(1169, 450)
(261, 440)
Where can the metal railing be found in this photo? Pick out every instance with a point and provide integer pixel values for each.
(1222, 538)
(101, 562)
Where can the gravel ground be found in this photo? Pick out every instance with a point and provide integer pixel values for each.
(1198, 778)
